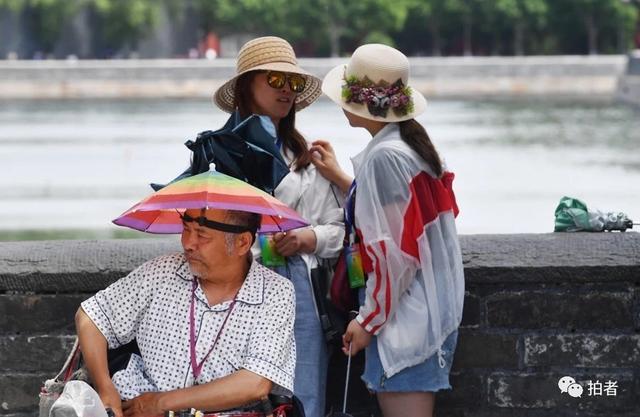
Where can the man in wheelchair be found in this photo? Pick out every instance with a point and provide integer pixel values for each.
(214, 328)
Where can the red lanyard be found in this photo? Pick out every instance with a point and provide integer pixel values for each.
(196, 368)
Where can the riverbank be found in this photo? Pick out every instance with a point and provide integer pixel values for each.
(445, 77)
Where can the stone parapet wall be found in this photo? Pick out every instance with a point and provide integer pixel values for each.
(436, 77)
(537, 308)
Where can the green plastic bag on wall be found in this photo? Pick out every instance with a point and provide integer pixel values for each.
(572, 215)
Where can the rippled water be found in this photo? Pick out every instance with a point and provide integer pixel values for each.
(72, 166)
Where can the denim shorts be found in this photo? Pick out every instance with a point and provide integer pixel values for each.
(427, 376)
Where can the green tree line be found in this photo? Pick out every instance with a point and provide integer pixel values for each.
(336, 27)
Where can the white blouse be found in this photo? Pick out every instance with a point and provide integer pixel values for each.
(320, 203)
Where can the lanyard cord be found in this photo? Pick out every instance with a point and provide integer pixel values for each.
(196, 368)
(349, 214)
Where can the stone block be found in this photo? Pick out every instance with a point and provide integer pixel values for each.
(551, 258)
(531, 310)
(32, 414)
(540, 391)
(448, 412)
(74, 266)
(522, 391)
(35, 353)
(471, 313)
(636, 308)
(19, 392)
(24, 314)
(468, 392)
(521, 412)
(582, 350)
(479, 349)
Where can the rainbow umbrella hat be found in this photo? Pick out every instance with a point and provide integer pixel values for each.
(160, 212)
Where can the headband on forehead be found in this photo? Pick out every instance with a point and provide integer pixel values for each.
(211, 224)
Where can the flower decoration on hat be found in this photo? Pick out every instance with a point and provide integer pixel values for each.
(379, 97)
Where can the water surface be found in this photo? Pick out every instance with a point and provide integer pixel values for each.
(71, 166)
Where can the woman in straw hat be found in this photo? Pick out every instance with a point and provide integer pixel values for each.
(405, 234)
(270, 83)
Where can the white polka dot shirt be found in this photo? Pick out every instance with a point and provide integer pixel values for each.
(151, 304)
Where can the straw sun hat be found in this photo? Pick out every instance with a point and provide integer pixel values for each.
(374, 85)
(267, 53)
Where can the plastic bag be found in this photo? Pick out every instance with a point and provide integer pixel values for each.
(78, 399)
(572, 215)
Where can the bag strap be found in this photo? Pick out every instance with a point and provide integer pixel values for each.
(335, 197)
(350, 216)
(70, 363)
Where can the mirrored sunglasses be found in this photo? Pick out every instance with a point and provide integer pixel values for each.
(277, 79)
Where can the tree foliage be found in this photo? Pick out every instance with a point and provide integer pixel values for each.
(45, 19)
(121, 22)
(336, 27)
(326, 23)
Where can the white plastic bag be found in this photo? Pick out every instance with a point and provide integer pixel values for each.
(78, 399)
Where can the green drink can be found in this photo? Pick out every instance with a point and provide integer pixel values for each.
(270, 256)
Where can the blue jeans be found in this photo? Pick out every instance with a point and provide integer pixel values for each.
(312, 358)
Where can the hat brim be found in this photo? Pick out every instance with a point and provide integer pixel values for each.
(223, 97)
(332, 87)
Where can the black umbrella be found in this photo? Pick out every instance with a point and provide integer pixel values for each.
(244, 149)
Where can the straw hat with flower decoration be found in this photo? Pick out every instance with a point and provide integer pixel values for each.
(374, 85)
(267, 53)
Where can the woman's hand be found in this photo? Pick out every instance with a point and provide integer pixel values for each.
(111, 399)
(357, 336)
(325, 161)
(295, 242)
(145, 405)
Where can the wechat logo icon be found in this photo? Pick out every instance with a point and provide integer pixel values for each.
(569, 386)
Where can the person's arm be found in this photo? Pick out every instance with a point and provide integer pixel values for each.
(324, 159)
(325, 238)
(122, 304)
(241, 387)
(93, 346)
(295, 242)
(357, 337)
(391, 222)
(322, 206)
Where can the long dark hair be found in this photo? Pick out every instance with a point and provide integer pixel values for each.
(292, 140)
(414, 135)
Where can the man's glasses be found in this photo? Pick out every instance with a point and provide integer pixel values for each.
(277, 79)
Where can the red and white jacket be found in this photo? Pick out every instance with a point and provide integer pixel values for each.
(406, 218)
